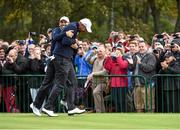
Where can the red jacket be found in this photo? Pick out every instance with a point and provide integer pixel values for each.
(117, 67)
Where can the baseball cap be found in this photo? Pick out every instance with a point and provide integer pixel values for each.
(21, 42)
(49, 30)
(64, 18)
(87, 23)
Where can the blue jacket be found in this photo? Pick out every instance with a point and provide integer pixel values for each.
(63, 43)
(55, 33)
(83, 67)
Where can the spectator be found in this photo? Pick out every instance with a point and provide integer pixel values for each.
(116, 65)
(108, 48)
(36, 66)
(83, 70)
(22, 87)
(98, 83)
(171, 85)
(49, 33)
(175, 48)
(2, 62)
(21, 47)
(133, 49)
(143, 64)
(30, 50)
(8, 88)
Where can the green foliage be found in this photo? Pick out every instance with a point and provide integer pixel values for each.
(18, 17)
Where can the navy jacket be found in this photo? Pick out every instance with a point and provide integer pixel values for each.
(63, 43)
(55, 32)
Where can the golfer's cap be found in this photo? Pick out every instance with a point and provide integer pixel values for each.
(87, 23)
(64, 18)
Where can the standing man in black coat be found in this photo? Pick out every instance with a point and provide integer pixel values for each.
(64, 70)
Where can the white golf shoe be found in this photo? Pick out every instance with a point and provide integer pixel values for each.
(76, 111)
(49, 112)
(35, 110)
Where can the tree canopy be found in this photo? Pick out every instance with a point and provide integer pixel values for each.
(145, 17)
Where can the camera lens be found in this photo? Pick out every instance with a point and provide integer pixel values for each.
(155, 51)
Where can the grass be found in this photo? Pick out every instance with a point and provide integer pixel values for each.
(91, 121)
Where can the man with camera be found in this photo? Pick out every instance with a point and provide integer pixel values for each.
(117, 65)
(170, 85)
(11, 66)
(175, 48)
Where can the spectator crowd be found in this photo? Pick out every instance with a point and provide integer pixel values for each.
(114, 76)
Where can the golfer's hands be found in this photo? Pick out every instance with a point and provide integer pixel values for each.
(70, 33)
(74, 46)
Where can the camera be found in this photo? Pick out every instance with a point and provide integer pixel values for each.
(21, 42)
(155, 51)
(32, 33)
(176, 35)
(160, 39)
(131, 37)
(114, 34)
(160, 36)
(172, 45)
(113, 56)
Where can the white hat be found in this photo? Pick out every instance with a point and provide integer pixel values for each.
(64, 18)
(87, 23)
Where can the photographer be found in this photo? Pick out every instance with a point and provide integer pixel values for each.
(92, 55)
(10, 67)
(116, 65)
(170, 87)
(21, 47)
(158, 38)
(175, 48)
(42, 39)
(158, 51)
(113, 38)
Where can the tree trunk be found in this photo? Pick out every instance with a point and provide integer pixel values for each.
(145, 15)
(177, 27)
(112, 16)
(156, 15)
(35, 15)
